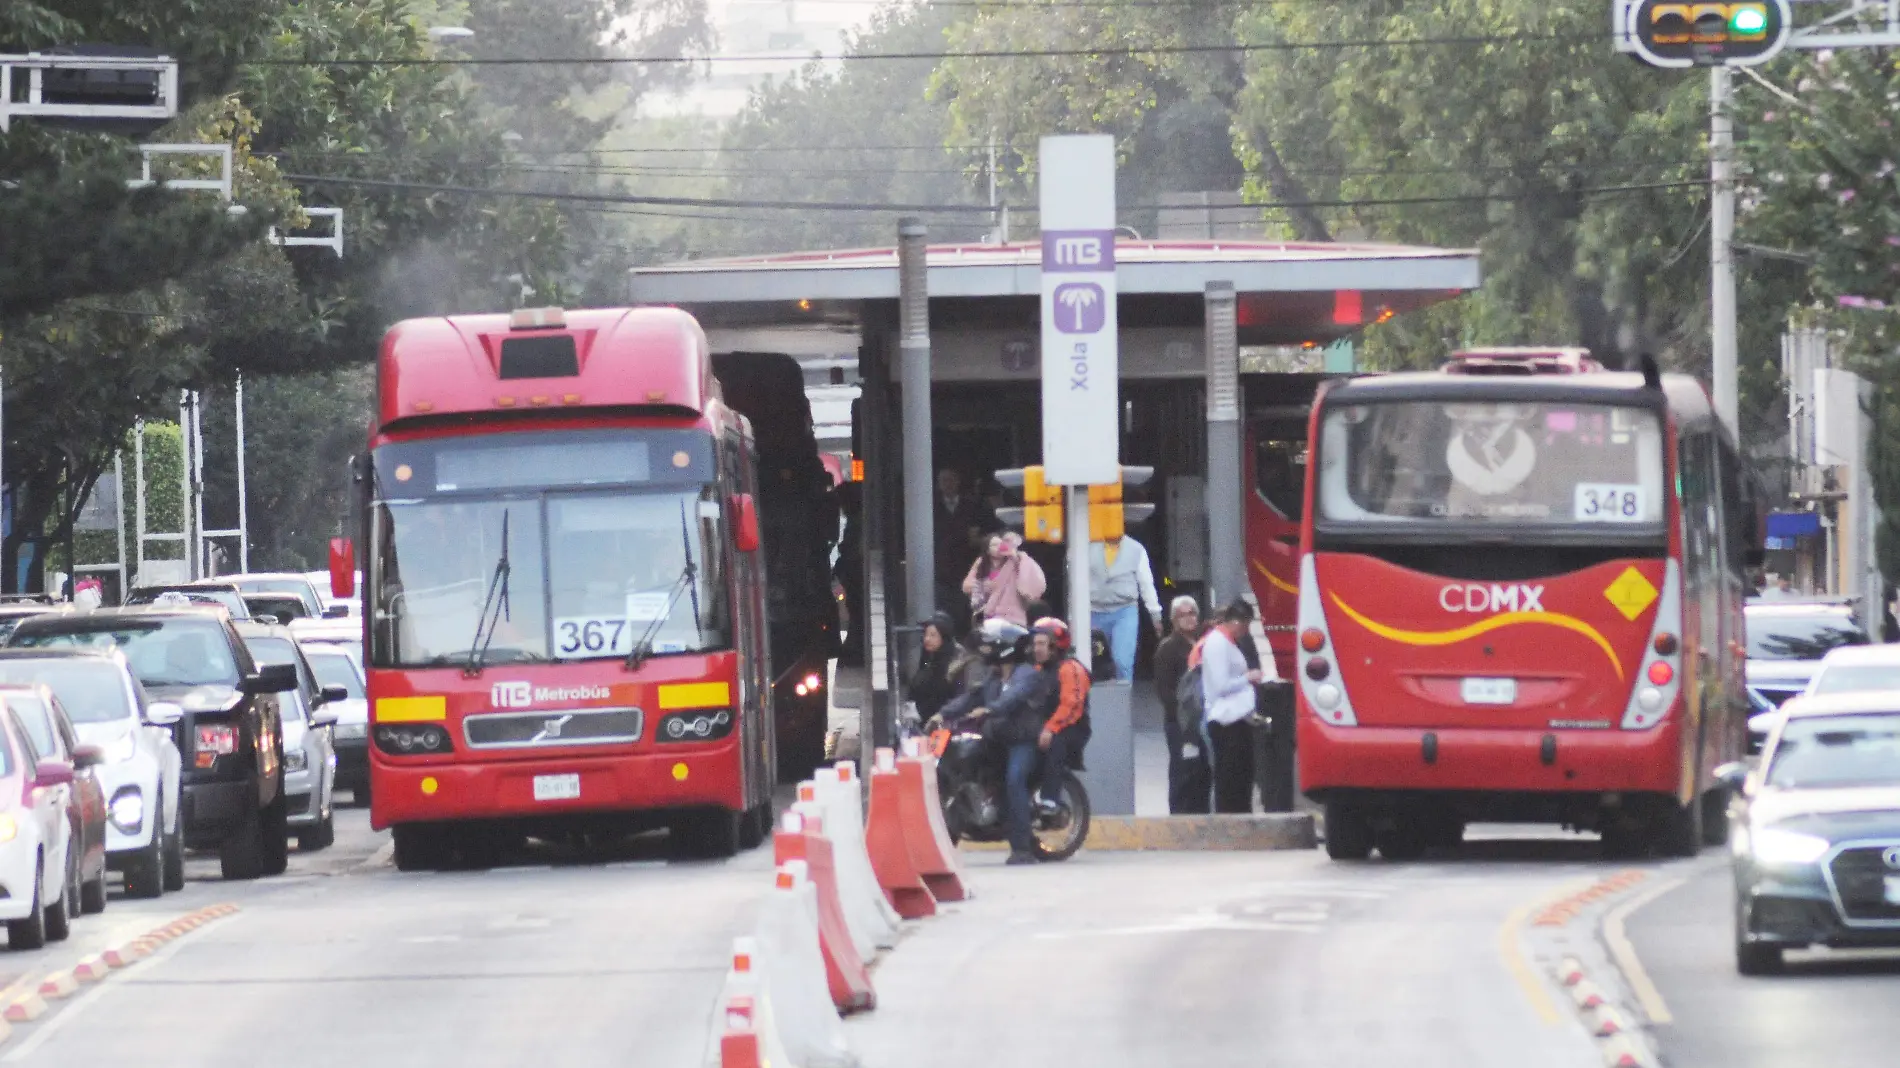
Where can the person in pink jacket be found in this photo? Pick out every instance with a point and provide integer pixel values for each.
(1003, 581)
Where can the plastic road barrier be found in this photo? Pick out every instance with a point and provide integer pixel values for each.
(794, 968)
(921, 816)
(874, 923)
(801, 837)
(890, 852)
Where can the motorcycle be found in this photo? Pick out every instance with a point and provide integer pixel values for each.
(970, 770)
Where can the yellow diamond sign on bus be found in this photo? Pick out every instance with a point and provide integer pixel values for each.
(1631, 593)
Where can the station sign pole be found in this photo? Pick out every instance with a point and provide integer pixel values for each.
(1081, 373)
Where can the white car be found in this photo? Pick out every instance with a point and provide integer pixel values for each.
(285, 583)
(140, 771)
(321, 580)
(34, 833)
(309, 746)
(1856, 669)
(336, 666)
(1787, 639)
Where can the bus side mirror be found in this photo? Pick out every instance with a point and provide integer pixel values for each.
(745, 523)
(342, 568)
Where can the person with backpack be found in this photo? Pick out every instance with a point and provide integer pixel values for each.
(1170, 663)
(1066, 730)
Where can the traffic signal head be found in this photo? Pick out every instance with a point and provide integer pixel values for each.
(1040, 517)
(1671, 33)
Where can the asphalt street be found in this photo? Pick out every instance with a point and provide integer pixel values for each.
(1836, 1009)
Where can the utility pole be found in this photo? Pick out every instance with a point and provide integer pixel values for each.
(1721, 246)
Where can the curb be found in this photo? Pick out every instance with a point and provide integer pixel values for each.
(1235, 833)
(60, 985)
(1618, 1043)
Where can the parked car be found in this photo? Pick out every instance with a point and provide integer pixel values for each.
(15, 607)
(309, 750)
(232, 797)
(276, 607)
(288, 584)
(337, 668)
(1788, 638)
(221, 594)
(50, 731)
(35, 837)
(1815, 830)
(141, 771)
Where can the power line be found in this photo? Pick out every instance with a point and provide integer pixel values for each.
(1022, 53)
(393, 185)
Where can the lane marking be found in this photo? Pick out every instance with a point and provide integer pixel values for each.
(1511, 951)
(1623, 951)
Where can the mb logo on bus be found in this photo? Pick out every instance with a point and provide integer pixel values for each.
(511, 695)
(1474, 597)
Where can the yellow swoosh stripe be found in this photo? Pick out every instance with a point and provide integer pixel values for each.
(1484, 626)
(1278, 582)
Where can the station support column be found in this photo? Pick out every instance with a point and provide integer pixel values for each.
(1226, 534)
(913, 332)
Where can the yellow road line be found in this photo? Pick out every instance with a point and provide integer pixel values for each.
(1511, 950)
(1624, 952)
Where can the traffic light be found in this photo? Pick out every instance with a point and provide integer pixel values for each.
(1669, 33)
(1041, 516)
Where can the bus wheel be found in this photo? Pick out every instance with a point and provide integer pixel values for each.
(419, 847)
(1348, 832)
(1678, 829)
(705, 834)
(1404, 840)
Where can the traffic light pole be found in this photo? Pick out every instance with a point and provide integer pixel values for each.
(913, 347)
(1076, 524)
(1721, 246)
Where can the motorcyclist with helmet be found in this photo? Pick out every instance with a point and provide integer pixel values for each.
(1011, 703)
(1066, 730)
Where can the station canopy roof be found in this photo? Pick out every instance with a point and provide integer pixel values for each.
(1289, 292)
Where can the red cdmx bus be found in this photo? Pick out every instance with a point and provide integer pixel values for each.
(1520, 594)
(562, 611)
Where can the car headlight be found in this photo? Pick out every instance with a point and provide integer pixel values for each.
(128, 810)
(1778, 847)
(122, 748)
(352, 730)
(8, 828)
(296, 760)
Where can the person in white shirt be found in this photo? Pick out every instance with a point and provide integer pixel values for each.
(1227, 695)
(1121, 582)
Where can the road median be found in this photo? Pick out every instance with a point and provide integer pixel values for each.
(1222, 833)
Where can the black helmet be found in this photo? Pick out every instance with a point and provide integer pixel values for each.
(1002, 642)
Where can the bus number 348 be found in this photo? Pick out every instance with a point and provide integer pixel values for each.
(1605, 502)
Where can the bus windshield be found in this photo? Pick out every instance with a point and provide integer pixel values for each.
(1516, 463)
(563, 576)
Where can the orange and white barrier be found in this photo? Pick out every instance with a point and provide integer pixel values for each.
(874, 923)
(801, 837)
(793, 963)
(885, 839)
(743, 1010)
(921, 815)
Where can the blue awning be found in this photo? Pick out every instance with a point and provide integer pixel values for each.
(1793, 524)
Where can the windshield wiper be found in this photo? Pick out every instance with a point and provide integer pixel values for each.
(688, 580)
(495, 607)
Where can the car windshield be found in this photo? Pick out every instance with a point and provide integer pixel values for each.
(92, 691)
(1857, 678)
(37, 718)
(1819, 752)
(337, 669)
(297, 588)
(284, 606)
(179, 651)
(1800, 637)
(1495, 463)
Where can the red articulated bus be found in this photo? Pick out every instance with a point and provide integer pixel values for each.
(1520, 600)
(562, 603)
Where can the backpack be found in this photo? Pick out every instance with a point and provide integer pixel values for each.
(1190, 705)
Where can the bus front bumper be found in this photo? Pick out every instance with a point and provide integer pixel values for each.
(1476, 760)
(693, 777)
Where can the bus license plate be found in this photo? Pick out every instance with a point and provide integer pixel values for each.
(557, 787)
(1489, 691)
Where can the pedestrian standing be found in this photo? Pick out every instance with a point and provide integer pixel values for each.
(956, 525)
(1227, 692)
(1003, 581)
(1171, 662)
(1121, 583)
(934, 684)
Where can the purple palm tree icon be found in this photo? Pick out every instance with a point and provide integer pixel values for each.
(1080, 307)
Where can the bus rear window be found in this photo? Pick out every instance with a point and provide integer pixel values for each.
(1491, 462)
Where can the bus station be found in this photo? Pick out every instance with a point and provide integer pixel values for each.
(1222, 346)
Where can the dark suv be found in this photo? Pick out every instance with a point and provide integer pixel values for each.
(231, 737)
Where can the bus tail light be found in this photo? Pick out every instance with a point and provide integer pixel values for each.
(1325, 693)
(1658, 677)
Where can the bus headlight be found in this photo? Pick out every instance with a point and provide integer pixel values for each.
(704, 725)
(412, 739)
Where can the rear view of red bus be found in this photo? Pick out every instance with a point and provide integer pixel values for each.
(564, 626)
(1520, 601)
